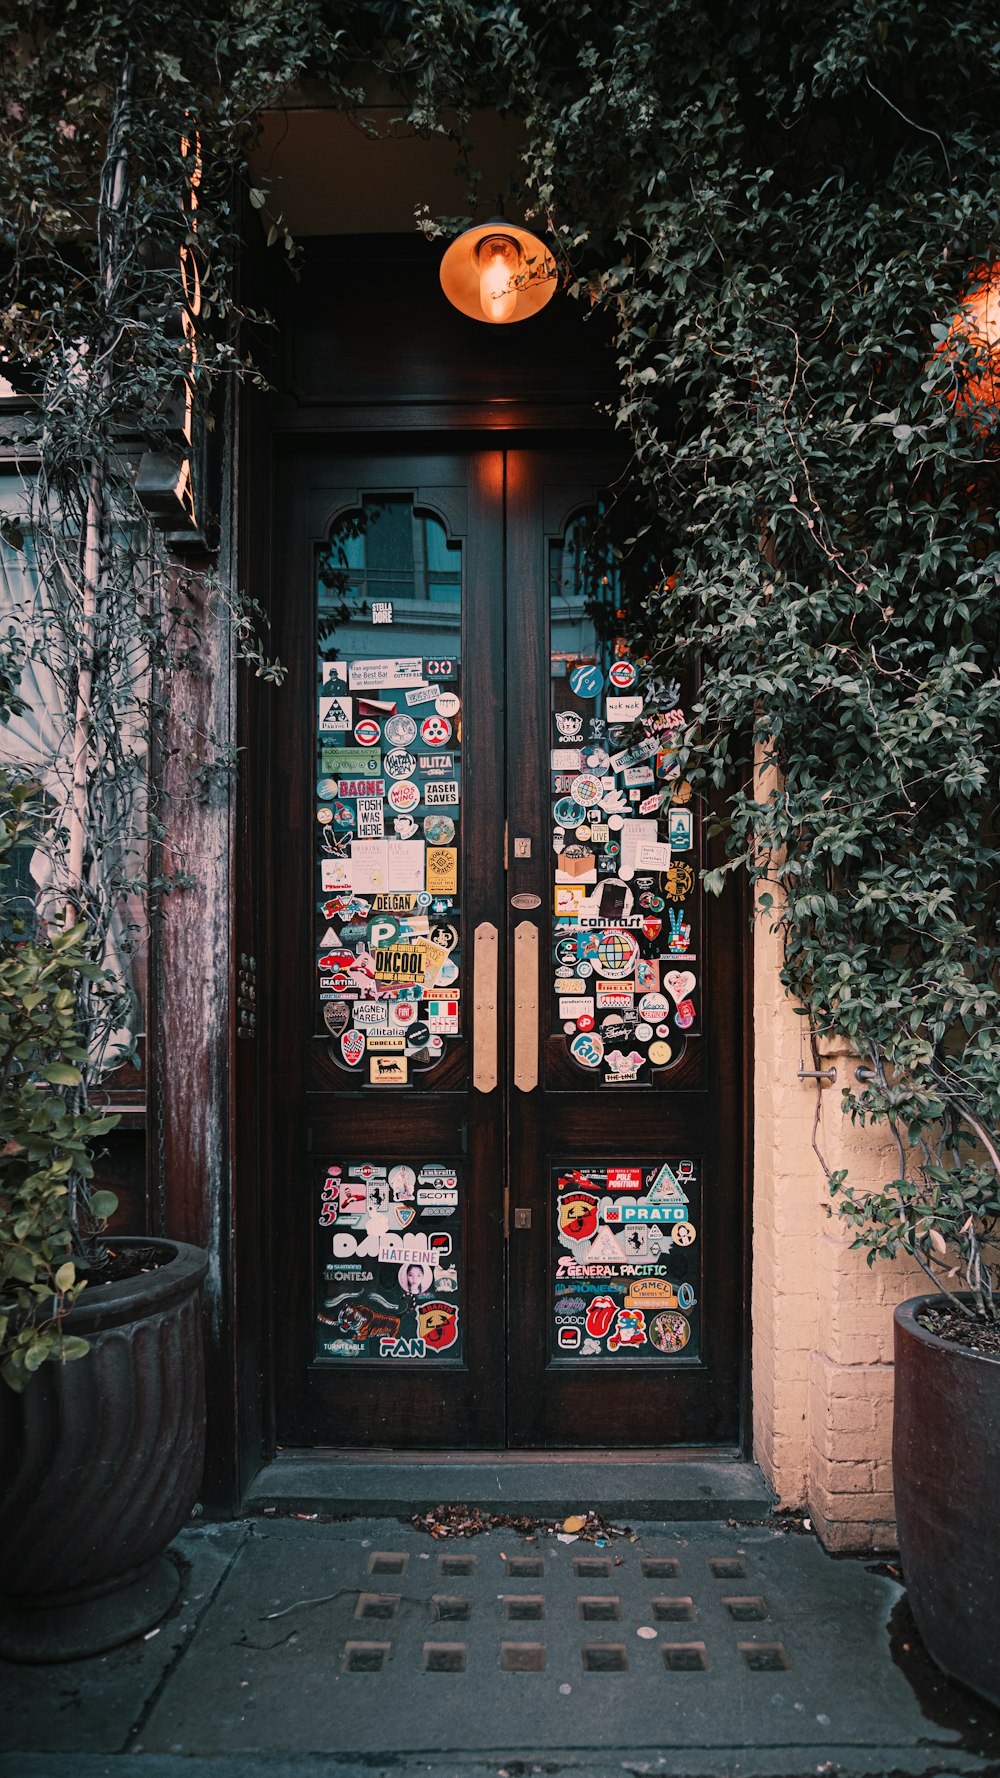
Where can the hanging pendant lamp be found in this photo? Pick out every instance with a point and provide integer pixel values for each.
(498, 272)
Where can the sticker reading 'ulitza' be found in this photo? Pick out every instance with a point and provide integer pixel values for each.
(388, 1248)
(625, 1241)
(626, 908)
(388, 924)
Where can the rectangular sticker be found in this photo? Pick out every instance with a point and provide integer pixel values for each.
(337, 760)
(387, 1071)
(370, 675)
(442, 870)
(444, 793)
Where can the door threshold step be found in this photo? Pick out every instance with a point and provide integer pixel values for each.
(542, 1484)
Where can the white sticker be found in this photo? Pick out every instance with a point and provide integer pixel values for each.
(371, 823)
(652, 855)
(370, 675)
(335, 714)
(444, 792)
(624, 709)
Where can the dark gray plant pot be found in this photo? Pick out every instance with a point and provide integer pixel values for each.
(945, 1468)
(100, 1464)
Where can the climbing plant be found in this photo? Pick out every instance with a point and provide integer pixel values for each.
(777, 209)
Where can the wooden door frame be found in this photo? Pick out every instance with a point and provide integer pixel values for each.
(241, 1371)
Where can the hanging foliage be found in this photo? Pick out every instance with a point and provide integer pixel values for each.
(788, 211)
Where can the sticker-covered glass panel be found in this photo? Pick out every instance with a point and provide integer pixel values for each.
(388, 790)
(626, 1267)
(626, 907)
(390, 1276)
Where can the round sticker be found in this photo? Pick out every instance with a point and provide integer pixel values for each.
(587, 1048)
(644, 1032)
(669, 1331)
(684, 1234)
(622, 675)
(367, 731)
(435, 731)
(400, 730)
(615, 821)
(585, 1022)
(659, 1053)
(343, 814)
(568, 813)
(448, 704)
(586, 789)
(404, 1012)
(400, 765)
(445, 935)
(324, 815)
(326, 789)
(569, 1027)
(654, 1007)
(403, 796)
(417, 1036)
(439, 830)
(684, 1016)
(614, 955)
(663, 1030)
(596, 759)
(586, 681)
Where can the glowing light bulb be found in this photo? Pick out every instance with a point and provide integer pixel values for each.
(498, 267)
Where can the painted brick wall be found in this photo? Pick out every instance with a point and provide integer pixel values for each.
(822, 1319)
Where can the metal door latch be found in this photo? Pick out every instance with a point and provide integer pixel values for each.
(522, 1219)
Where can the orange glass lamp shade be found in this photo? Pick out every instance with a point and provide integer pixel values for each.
(498, 273)
(975, 331)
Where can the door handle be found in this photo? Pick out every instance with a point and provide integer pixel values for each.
(485, 1055)
(525, 1006)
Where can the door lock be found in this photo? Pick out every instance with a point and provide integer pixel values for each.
(522, 1219)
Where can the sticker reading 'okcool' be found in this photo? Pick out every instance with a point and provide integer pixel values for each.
(626, 1259)
(388, 1246)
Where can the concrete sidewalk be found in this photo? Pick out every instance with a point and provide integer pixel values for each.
(312, 1648)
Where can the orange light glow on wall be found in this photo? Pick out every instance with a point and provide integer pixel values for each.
(973, 343)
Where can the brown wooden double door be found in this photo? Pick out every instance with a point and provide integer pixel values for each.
(505, 1064)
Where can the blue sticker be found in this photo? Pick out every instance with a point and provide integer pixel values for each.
(587, 681)
(569, 813)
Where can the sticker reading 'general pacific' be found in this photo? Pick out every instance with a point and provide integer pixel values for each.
(388, 863)
(626, 1280)
(389, 1286)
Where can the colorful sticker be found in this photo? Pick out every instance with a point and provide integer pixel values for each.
(626, 1281)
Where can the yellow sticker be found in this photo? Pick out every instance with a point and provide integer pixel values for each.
(442, 870)
(399, 963)
(569, 901)
(386, 1040)
(660, 1053)
(387, 1071)
(435, 957)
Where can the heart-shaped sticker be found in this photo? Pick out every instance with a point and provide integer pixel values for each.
(679, 983)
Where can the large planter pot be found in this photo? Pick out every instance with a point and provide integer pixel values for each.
(100, 1464)
(946, 1466)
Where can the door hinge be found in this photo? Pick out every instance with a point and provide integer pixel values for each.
(506, 1212)
(505, 845)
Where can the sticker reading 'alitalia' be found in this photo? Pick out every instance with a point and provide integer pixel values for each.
(626, 1281)
(626, 914)
(388, 864)
(389, 1284)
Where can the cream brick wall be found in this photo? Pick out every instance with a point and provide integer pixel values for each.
(822, 1319)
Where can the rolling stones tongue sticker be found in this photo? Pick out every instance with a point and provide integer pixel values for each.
(389, 1249)
(627, 910)
(626, 1266)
